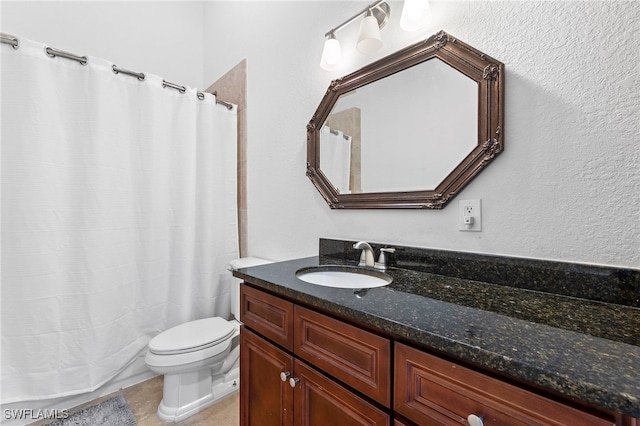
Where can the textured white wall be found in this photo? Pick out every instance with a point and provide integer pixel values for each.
(159, 37)
(567, 186)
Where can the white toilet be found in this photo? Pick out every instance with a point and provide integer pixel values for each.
(199, 359)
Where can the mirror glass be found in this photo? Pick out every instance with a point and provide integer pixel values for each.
(376, 139)
(410, 130)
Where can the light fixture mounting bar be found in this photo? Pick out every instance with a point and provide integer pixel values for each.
(379, 9)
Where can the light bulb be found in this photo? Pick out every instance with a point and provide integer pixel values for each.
(416, 14)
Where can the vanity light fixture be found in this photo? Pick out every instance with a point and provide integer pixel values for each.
(331, 52)
(416, 14)
(369, 40)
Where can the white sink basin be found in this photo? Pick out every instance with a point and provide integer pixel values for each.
(343, 277)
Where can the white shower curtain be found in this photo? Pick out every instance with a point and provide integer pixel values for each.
(118, 218)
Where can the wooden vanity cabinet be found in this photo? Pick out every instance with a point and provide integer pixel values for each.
(285, 381)
(301, 367)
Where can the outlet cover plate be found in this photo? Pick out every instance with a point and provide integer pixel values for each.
(471, 208)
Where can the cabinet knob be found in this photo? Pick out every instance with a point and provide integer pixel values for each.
(293, 382)
(284, 376)
(474, 420)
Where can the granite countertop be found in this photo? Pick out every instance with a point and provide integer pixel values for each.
(587, 350)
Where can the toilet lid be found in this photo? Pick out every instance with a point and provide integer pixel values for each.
(192, 336)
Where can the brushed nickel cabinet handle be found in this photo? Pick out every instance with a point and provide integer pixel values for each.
(475, 420)
(284, 376)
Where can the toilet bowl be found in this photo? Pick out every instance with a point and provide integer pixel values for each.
(199, 359)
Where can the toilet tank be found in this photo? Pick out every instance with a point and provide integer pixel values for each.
(234, 265)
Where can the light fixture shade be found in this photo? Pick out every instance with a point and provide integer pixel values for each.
(369, 39)
(416, 14)
(331, 53)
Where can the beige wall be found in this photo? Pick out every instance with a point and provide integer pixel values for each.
(232, 87)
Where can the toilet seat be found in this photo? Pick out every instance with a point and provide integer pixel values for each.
(192, 336)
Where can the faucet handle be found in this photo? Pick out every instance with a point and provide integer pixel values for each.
(382, 262)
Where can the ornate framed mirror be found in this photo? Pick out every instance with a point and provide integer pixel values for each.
(409, 130)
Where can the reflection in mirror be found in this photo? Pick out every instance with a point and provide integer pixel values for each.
(404, 119)
(410, 130)
(342, 129)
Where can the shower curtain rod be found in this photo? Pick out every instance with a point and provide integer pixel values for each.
(51, 52)
(336, 133)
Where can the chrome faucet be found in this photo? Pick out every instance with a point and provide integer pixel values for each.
(366, 258)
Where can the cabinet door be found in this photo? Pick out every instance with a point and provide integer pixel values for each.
(319, 401)
(432, 391)
(268, 315)
(265, 400)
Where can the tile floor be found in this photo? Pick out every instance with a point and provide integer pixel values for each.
(143, 399)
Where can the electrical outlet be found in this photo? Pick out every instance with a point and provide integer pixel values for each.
(470, 215)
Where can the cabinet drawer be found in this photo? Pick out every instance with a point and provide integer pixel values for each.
(431, 391)
(268, 315)
(355, 356)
